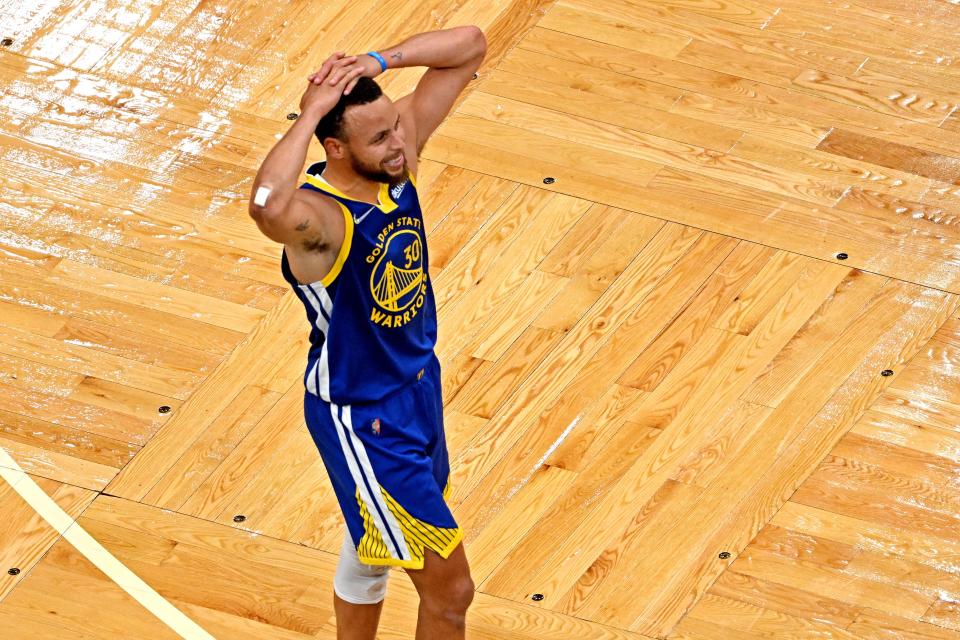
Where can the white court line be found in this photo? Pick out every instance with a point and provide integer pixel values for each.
(50, 511)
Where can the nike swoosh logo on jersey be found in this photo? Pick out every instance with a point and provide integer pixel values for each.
(357, 220)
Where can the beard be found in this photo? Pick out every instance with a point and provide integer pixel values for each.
(377, 173)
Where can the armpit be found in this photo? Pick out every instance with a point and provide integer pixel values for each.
(315, 244)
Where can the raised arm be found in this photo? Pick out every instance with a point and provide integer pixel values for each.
(279, 208)
(452, 55)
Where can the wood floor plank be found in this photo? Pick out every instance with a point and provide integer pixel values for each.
(815, 339)
(799, 603)
(748, 621)
(652, 149)
(713, 29)
(934, 469)
(852, 26)
(749, 14)
(595, 274)
(925, 438)
(753, 215)
(720, 291)
(895, 156)
(758, 66)
(664, 410)
(206, 454)
(882, 94)
(592, 103)
(857, 172)
(753, 117)
(695, 629)
(927, 212)
(818, 110)
(128, 343)
(866, 534)
(288, 455)
(177, 302)
(944, 613)
(25, 535)
(468, 217)
(801, 219)
(485, 393)
(58, 410)
(620, 164)
(63, 453)
(651, 358)
(443, 192)
(796, 462)
(578, 20)
(488, 298)
(686, 427)
(220, 488)
(614, 307)
(874, 625)
(801, 561)
(138, 477)
(87, 362)
(113, 313)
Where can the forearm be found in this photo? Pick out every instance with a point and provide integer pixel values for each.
(281, 168)
(458, 47)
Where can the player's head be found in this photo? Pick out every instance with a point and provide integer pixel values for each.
(364, 129)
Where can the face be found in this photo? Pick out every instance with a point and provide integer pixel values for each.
(375, 142)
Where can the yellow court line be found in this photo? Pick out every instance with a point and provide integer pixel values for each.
(50, 511)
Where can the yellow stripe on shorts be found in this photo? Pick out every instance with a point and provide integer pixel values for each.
(418, 535)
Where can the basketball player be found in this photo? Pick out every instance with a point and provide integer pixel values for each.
(355, 253)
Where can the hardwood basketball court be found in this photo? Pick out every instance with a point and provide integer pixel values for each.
(697, 265)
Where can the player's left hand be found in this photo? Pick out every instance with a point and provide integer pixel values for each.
(366, 65)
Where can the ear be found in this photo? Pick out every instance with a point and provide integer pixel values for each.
(334, 148)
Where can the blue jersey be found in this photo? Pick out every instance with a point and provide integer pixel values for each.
(373, 317)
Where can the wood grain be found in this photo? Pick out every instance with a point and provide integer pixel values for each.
(655, 357)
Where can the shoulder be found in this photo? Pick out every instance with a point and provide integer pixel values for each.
(315, 200)
(311, 217)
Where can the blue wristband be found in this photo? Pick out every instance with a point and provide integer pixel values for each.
(379, 58)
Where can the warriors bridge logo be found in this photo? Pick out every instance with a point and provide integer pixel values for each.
(398, 281)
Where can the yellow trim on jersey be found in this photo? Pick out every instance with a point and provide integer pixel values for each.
(413, 178)
(418, 535)
(344, 248)
(323, 185)
(384, 202)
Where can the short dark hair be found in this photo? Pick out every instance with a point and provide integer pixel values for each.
(331, 125)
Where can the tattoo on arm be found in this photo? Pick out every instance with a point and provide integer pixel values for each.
(397, 55)
(303, 225)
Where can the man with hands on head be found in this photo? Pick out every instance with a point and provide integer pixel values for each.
(355, 254)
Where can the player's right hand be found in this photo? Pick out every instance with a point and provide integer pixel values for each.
(320, 97)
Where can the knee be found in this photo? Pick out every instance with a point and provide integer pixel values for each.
(461, 594)
(452, 602)
(356, 582)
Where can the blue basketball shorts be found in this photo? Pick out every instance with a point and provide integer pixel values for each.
(389, 467)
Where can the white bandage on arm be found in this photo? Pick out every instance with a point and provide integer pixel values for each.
(260, 199)
(356, 582)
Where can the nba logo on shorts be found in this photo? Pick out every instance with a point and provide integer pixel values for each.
(376, 426)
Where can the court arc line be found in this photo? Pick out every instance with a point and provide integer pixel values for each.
(96, 553)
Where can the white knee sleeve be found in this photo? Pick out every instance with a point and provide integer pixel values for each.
(356, 582)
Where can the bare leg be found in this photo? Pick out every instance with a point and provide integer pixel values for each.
(446, 591)
(356, 621)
